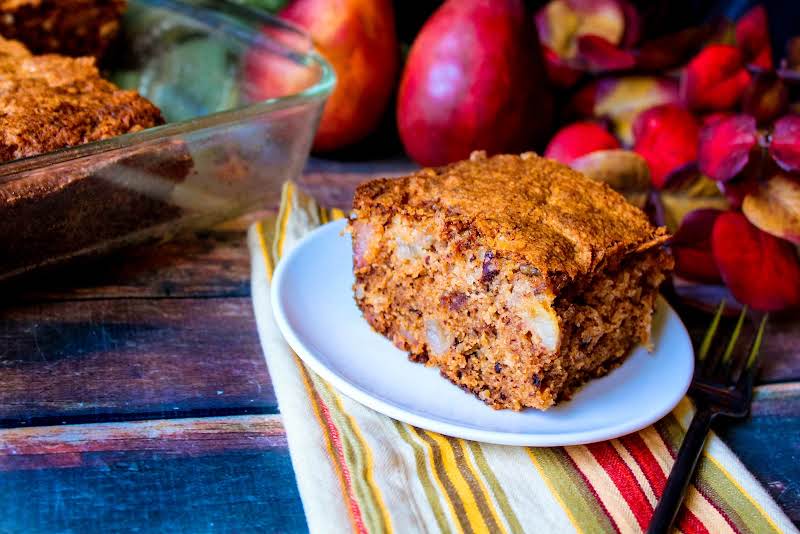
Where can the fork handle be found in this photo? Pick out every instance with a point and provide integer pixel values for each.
(681, 474)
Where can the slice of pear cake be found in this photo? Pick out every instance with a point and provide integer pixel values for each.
(519, 278)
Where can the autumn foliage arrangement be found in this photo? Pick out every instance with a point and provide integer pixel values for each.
(722, 131)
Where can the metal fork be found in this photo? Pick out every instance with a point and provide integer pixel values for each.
(722, 385)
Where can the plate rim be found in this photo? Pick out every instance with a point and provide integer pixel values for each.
(369, 400)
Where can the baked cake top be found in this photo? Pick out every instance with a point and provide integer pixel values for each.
(554, 218)
(49, 102)
(16, 4)
(10, 5)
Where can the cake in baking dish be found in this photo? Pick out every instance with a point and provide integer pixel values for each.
(50, 102)
(519, 278)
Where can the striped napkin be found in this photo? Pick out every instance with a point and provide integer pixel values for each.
(360, 471)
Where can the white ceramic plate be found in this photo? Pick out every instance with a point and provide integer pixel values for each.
(314, 308)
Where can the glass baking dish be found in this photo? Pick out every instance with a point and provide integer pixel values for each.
(227, 147)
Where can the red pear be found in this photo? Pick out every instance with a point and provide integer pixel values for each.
(358, 38)
(474, 80)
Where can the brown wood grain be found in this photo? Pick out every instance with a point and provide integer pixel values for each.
(203, 264)
(67, 445)
(780, 357)
(130, 356)
(332, 183)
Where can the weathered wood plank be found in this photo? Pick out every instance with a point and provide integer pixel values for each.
(333, 183)
(73, 456)
(212, 263)
(64, 445)
(768, 443)
(229, 474)
(781, 351)
(155, 357)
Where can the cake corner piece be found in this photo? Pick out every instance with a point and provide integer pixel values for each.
(519, 278)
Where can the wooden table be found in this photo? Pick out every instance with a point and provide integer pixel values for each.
(134, 395)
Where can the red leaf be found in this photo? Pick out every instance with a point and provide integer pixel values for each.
(578, 139)
(713, 118)
(633, 24)
(715, 79)
(666, 136)
(691, 246)
(763, 59)
(671, 50)
(725, 146)
(559, 72)
(735, 190)
(583, 100)
(752, 36)
(785, 146)
(599, 55)
(761, 270)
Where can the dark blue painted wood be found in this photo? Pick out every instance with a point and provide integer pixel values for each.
(247, 491)
(768, 444)
(112, 359)
(230, 474)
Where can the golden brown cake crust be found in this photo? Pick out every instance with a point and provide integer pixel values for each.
(49, 102)
(71, 27)
(537, 209)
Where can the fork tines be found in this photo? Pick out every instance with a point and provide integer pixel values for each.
(722, 370)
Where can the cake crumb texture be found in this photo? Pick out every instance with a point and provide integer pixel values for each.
(516, 276)
(70, 27)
